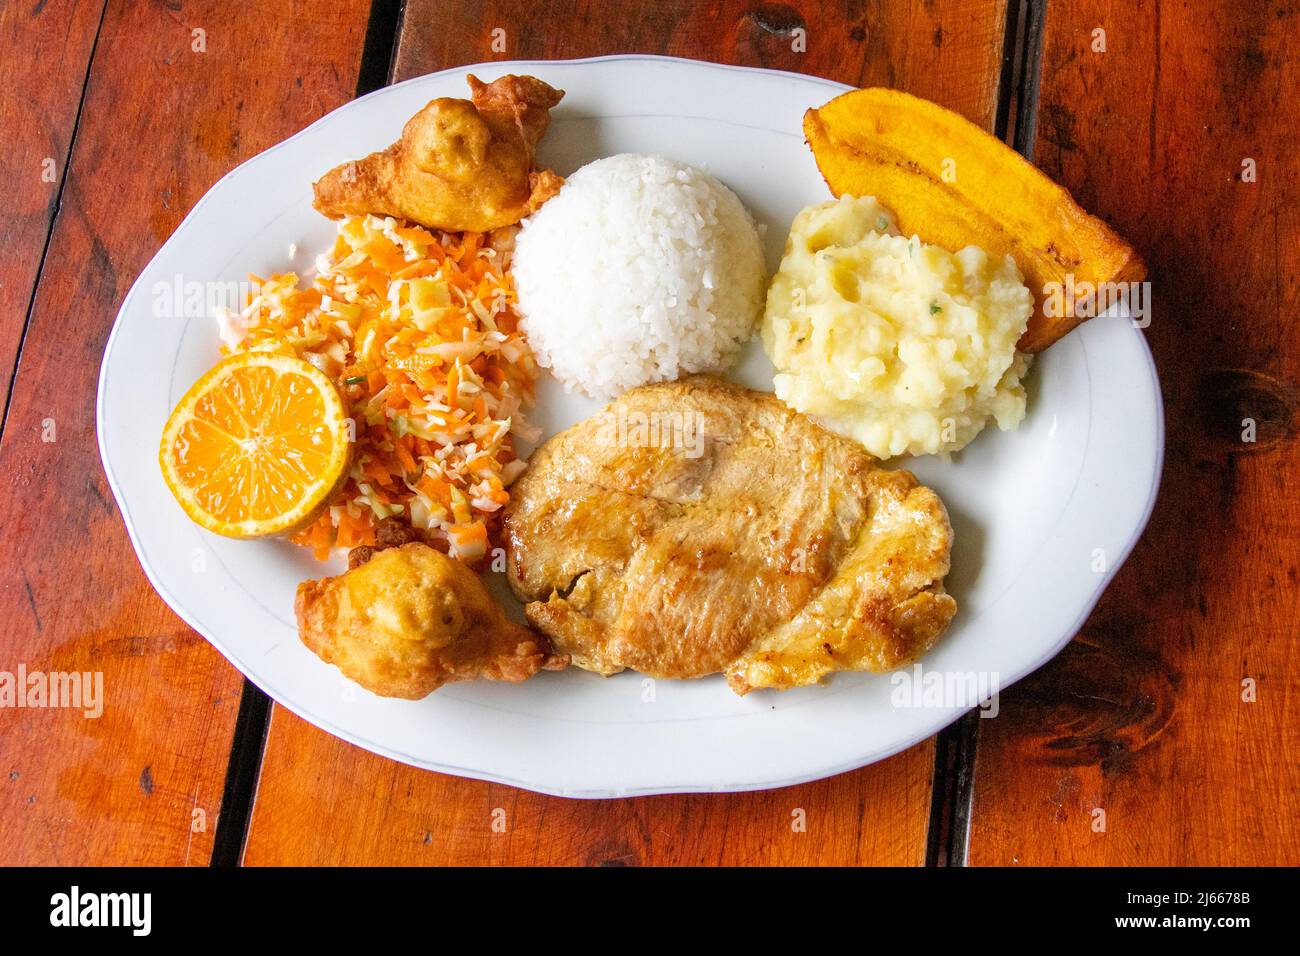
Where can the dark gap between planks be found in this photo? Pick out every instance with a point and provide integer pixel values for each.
(242, 770)
(1015, 123)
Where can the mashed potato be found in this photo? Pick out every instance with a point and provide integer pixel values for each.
(906, 347)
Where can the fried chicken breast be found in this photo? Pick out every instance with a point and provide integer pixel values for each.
(411, 619)
(697, 527)
(461, 165)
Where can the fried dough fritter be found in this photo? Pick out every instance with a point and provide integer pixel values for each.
(411, 619)
(461, 165)
(740, 537)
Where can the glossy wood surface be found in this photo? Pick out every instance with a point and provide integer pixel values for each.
(1167, 732)
(168, 111)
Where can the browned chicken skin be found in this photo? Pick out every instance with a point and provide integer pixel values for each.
(461, 165)
(409, 619)
(777, 554)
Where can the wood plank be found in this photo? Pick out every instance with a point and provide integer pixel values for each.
(381, 812)
(1142, 717)
(44, 52)
(947, 51)
(142, 783)
(386, 813)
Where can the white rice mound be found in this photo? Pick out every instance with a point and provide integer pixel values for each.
(641, 269)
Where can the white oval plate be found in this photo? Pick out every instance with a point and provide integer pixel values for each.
(1043, 516)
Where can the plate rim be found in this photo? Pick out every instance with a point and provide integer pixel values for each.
(942, 717)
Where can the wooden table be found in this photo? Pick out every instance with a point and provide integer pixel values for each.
(1137, 745)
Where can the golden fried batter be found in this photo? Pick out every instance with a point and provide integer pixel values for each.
(696, 527)
(411, 619)
(461, 165)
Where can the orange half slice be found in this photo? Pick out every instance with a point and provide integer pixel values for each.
(257, 446)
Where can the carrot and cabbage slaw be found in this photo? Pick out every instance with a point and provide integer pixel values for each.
(420, 332)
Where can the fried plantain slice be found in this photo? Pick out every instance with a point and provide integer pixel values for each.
(954, 185)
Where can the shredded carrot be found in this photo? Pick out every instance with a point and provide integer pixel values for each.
(437, 393)
(406, 459)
